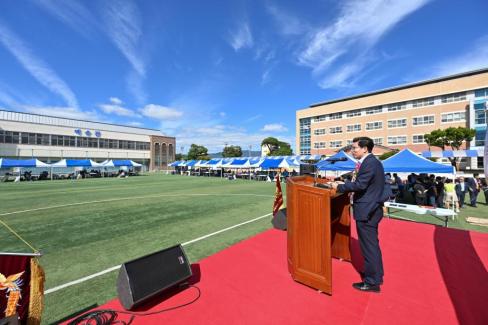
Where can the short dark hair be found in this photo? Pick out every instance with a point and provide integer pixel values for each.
(364, 142)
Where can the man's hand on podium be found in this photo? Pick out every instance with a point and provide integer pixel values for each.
(335, 184)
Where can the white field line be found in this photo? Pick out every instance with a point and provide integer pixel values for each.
(113, 268)
(128, 198)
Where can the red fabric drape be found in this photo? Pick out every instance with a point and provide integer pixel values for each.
(10, 265)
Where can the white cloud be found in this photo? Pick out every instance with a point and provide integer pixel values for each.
(72, 13)
(287, 23)
(123, 25)
(116, 109)
(253, 118)
(36, 67)
(241, 37)
(358, 28)
(116, 101)
(475, 58)
(134, 123)
(276, 127)
(67, 112)
(222, 114)
(134, 86)
(160, 112)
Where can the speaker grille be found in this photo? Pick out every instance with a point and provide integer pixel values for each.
(152, 274)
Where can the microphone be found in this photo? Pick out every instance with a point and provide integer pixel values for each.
(334, 160)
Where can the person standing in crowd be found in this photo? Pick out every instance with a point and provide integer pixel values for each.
(461, 191)
(367, 189)
(439, 186)
(419, 191)
(431, 191)
(400, 185)
(450, 196)
(474, 187)
(484, 187)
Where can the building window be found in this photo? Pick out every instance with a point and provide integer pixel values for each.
(423, 102)
(318, 118)
(378, 141)
(349, 142)
(373, 110)
(418, 138)
(356, 112)
(453, 117)
(335, 129)
(481, 92)
(397, 140)
(354, 128)
(453, 98)
(335, 116)
(397, 107)
(319, 145)
(319, 131)
(336, 144)
(479, 138)
(374, 125)
(479, 117)
(423, 120)
(400, 123)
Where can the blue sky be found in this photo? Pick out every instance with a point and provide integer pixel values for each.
(224, 72)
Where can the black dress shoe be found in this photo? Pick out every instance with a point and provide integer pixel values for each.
(363, 286)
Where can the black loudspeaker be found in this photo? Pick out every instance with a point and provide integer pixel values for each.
(279, 220)
(150, 275)
(307, 169)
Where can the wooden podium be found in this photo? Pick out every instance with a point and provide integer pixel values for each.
(318, 229)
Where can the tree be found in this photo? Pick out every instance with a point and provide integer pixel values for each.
(180, 156)
(232, 151)
(388, 154)
(277, 147)
(197, 152)
(450, 137)
(271, 143)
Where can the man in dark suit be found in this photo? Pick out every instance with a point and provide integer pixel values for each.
(460, 188)
(368, 197)
(474, 187)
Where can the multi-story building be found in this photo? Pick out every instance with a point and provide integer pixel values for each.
(398, 117)
(50, 139)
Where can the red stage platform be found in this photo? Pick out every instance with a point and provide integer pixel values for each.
(433, 275)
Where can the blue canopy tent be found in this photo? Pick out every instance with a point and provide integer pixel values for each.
(76, 163)
(174, 163)
(332, 163)
(23, 163)
(271, 163)
(406, 161)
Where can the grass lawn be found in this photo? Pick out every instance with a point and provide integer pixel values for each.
(90, 225)
(84, 227)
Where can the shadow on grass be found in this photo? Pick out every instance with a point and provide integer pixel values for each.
(75, 314)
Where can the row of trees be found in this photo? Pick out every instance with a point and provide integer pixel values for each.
(275, 146)
(452, 137)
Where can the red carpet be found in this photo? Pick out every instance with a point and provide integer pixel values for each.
(433, 275)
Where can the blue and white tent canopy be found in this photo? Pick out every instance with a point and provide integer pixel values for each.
(174, 163)
(273, 163)
(23, 163)
(76, 163)
(240, 163)
(407, 161)
(119, 163)
(329, 164)
(453, 153)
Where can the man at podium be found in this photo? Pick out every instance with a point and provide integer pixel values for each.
(367, 191)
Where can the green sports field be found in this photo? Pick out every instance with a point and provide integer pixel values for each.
(87, 226)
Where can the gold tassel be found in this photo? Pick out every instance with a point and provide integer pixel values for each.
(36, 302)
